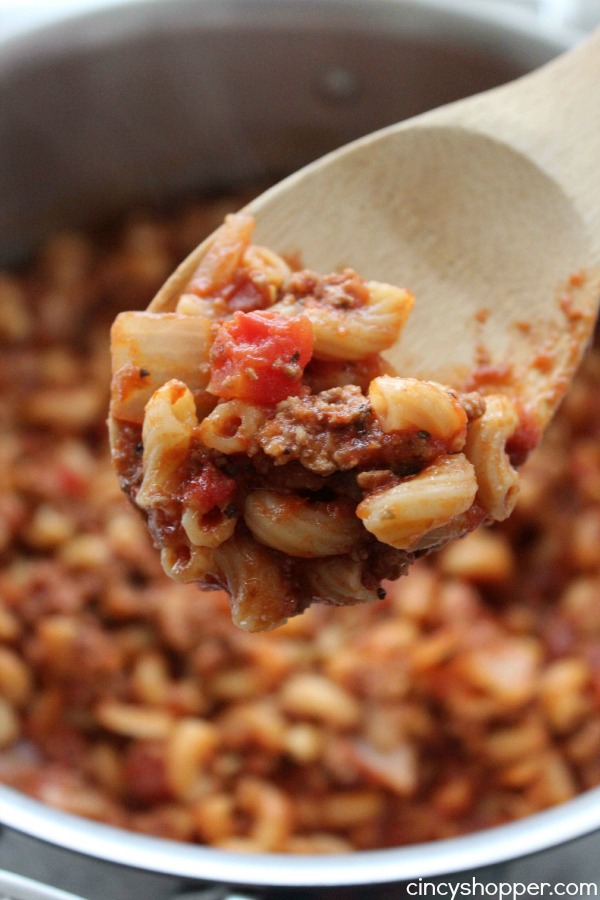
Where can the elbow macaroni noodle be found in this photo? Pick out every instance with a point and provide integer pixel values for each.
(230, 426)
(346, 333)
(283, 494)
(405, 513)
(300, 527)
(497, 480)
(169, 420)
(403, 404)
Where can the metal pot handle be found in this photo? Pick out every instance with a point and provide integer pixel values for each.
(17, 887)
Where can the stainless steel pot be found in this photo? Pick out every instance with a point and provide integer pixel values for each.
(149, 99)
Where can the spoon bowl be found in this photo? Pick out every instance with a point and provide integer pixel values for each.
(460, 219)
(487, 209)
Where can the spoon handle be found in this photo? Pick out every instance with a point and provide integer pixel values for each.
(552, 116)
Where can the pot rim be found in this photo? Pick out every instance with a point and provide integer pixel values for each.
(573, 819)
(43, 29)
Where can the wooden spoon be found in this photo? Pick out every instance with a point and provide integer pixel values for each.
(487, 209)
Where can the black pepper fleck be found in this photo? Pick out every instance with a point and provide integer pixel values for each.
(230, 511)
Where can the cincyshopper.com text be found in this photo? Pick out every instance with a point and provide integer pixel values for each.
(501, 889)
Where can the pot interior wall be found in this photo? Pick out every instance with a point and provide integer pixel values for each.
(97, 117)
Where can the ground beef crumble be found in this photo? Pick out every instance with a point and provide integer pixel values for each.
(336, 430)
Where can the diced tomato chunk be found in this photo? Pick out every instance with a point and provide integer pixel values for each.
(260, 357)
(208, 488)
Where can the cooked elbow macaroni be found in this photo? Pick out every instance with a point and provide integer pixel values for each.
(271, 449)
(497, 480)
(405, 513)
(300, 527)
(169, 422)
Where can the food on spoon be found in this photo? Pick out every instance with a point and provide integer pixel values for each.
(274, 454)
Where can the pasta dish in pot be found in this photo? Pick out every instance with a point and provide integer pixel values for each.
(467, 698)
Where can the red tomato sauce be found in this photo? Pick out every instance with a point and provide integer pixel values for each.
(209, 488)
